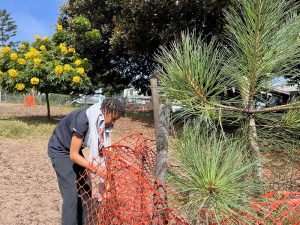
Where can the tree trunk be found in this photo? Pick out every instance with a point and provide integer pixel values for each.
(251, 136)
(255, 153)
(48, 105)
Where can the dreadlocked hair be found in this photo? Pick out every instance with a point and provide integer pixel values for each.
(113, 106)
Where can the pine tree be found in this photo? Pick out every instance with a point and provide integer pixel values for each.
(8, 27)
(262, 44)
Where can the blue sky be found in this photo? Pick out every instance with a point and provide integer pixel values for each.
(32, 17)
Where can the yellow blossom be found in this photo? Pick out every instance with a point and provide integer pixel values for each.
(67, 68)
(80, 71)
(72, 50)
(1, 73)
(45, 38)
(43, 48)
(76, 79)
(21, 61)
(37, 37)
(32, 53)
(5, 50)
(34, 80)
(20, 86)
(14, 56)
(59, 28)
(37, 62)
(13, 73)
(62, 45)
(22, 46)
(64, 50)
(1, 55)
(59, 70)
(35, 53)
(28, 55)
(77, 62)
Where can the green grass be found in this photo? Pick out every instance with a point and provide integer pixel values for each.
(39, 127)
(26, 127)
(141, 116)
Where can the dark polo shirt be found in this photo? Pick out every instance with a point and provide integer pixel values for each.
(75, 122)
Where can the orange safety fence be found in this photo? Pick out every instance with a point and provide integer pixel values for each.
(29, 101)
(278, 208)
(130, 194)
(274, 208)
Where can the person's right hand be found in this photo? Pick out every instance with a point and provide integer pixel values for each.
(101, 171)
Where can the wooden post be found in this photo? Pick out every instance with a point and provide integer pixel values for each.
(162, 143)
(161, 123)
(155, 101)
(162, 136)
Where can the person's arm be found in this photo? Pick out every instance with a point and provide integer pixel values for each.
(75, 147)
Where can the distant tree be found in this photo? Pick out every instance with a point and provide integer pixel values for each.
(46, 66)
(132, 31)
(89, 43)
(294, 79)
(8, 28)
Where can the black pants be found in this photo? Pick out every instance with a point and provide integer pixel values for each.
(74, 212)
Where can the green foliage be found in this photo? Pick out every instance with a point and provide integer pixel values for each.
(291, 119)
(211, 174)
(92, 35)
(80, 24)
(263, 43)
(132, 31)
(45, 66)
(190, 72)
(8, 28)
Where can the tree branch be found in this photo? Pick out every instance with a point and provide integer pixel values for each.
(266, 110)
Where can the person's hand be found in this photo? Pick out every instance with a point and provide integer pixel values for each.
(98, 170)
(101, 171)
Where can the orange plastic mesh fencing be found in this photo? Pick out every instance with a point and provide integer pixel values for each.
(29, 101)
(278, 208)
(131, 195)
(275, 208)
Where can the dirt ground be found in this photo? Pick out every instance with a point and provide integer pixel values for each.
(28, 189)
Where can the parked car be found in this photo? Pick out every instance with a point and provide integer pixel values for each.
(85, 100)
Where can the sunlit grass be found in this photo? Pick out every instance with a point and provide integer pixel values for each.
(29, 128)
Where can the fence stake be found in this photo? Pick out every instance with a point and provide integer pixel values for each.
(155, 101)
(161, 158)
(162, 143)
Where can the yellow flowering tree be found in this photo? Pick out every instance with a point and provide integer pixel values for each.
(45, 65)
